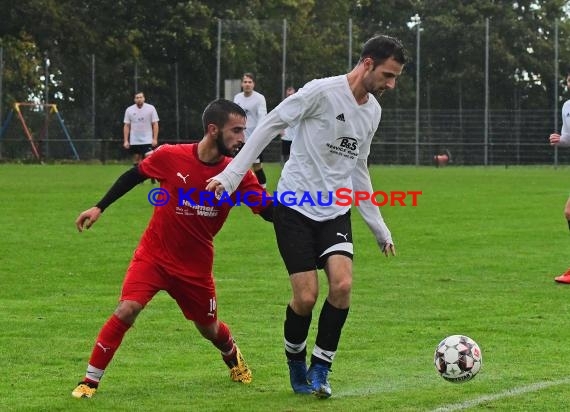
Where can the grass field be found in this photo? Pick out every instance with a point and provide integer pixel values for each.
(477, 256)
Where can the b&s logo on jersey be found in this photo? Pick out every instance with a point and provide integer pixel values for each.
(345, 146)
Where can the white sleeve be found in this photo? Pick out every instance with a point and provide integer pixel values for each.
(262, 108)
(564, 140)
(565, 132)
(263, 134)
(370, 213)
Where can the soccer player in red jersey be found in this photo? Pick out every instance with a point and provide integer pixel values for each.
(175, 253)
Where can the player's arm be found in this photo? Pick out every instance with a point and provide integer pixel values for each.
(122, 185)
(371, 213)
(155, 128)
(262, 108)
(154, 134)
(126, 134)
(235, 171)
(562, 139)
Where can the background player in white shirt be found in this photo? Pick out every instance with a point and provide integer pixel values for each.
(337, 118)
(140, 130)
(563, 139)
(256, 108)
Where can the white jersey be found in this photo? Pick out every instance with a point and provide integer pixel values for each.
(333, 132)
(329, 151)
(255, 108)
(565, 133)
(141, 120)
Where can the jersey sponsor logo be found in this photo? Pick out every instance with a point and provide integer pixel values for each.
(345, 146)
(349, 143)
(205, 211)
(340, 117)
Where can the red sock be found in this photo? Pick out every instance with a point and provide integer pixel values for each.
(224, 341)
(108, 341)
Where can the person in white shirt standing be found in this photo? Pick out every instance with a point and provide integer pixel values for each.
(256, 108)
(563, 139)
(336, 119)
(140, 130)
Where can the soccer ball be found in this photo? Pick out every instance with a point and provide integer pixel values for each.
(458, 358)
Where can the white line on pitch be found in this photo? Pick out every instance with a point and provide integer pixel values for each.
(505, 394)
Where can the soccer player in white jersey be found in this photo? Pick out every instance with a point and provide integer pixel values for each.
(336, 118)
(563, 139)
(256, 108)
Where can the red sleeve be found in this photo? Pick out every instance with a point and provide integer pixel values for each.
(156, 165)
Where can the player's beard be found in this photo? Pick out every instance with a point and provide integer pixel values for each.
(375, 91)
(223, 149)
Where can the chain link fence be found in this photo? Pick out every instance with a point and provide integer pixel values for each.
(478, 136)
(515, 138)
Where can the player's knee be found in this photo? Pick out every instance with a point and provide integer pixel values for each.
(128, 311)
(306, 301)
(342, 287)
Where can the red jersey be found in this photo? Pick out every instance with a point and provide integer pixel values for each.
(180, 234)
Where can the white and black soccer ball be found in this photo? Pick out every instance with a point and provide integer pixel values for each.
(458, 358)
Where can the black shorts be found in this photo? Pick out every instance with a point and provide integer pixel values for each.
(141, 149)
(305, 244)
(285, 147)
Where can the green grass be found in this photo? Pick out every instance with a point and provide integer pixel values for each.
(477, 256)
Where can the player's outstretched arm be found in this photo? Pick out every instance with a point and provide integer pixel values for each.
(235, 171)
(124, 183)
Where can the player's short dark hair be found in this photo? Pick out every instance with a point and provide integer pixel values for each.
(218, 112)
(250, 75)
(381, 47)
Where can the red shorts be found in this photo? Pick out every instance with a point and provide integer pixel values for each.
(196, 296)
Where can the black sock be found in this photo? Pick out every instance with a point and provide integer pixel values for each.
(296, 329)
(331, 321)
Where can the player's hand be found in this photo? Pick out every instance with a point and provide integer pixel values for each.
(389, 249)
(554, 139)
(87, 218)
(216, 187)
(126, 145)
